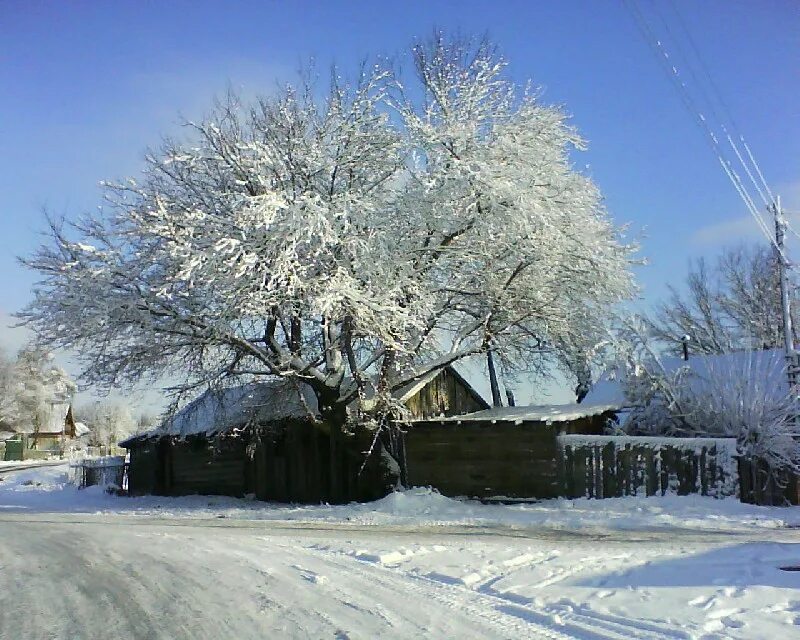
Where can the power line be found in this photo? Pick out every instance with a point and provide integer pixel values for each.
(788, 225)
(670, 68)
(716, 93)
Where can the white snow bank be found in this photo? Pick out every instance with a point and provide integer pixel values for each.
(46, 490)
(6, 465)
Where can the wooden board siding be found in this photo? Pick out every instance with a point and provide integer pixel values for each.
(591, 425)
(446, 395)
(293, 464)
(214, 467)
(484, 460)
(142, 469)
(285, 463)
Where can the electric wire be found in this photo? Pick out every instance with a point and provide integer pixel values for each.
(716, 93)
(670, 68)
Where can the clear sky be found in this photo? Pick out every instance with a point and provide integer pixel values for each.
(85, 87)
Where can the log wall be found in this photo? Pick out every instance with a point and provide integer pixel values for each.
(283, 463)
(484, 460)
(445, 395)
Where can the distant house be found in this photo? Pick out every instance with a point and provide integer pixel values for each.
(59, 427)
(265, 439)
(57, 430)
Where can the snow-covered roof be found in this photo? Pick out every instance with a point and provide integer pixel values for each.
(767, 366)
(534, 413)
(54, 419)
(219, 410)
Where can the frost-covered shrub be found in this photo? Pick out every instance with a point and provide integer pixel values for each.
(108, 422)
(743, 395)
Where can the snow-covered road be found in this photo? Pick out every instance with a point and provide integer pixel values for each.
(92, 579)
(85, 576)
(82, 564)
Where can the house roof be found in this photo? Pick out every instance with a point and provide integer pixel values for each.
(768, 367)
(220, 410)
(54, 420)
(533, 413)
(81, 429)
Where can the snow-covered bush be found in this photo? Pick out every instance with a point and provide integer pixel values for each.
(743, 395)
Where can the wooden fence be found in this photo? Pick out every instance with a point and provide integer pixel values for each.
(615, 466)
(88, 472)
(762, 485)
(18, 450)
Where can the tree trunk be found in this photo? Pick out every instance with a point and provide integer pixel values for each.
(334, 415)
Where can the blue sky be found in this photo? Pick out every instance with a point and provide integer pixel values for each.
(87, 86)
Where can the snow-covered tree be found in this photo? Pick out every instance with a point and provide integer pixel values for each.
(7, 407)
(378, 233)
(32, 389)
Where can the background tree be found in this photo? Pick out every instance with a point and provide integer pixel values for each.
(7, 406)
(108, 422)
(31, 386)
(734, 305)
(323, 241)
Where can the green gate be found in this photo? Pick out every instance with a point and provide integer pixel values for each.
(14, 450)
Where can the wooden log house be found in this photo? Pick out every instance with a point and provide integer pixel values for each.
(266, 439)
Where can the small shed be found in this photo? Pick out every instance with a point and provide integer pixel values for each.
(509, 452)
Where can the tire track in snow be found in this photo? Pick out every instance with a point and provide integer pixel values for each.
(449, 595)
(571, 621)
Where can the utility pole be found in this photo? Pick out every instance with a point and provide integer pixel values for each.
(493, 383)
(788, 340)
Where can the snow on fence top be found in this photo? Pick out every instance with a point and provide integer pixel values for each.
(533, 413)
(723, 445)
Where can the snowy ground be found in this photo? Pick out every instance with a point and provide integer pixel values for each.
(10, 465)
(90, 565)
